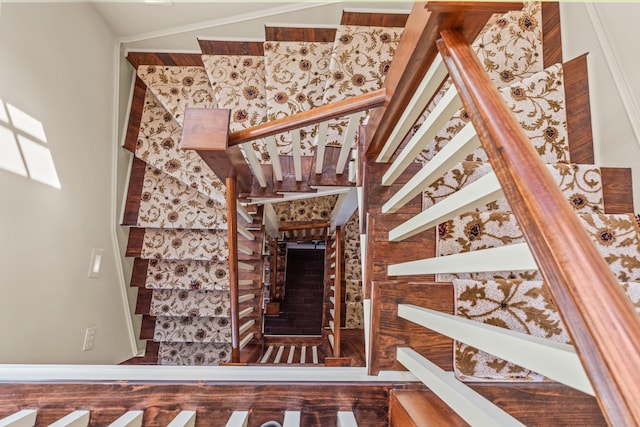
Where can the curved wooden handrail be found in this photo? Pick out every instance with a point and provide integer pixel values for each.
(234, 294)
(600, 318)
(305, 118)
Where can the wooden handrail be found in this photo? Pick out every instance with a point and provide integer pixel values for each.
(337, 284)
(417, 51)
(234, 294)
(601, 320)
(341, 108)
(307, 226)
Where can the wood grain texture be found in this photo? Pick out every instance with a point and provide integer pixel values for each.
(167, 59)
(353, 346)
(299, 34)
(135, 115)
(150, 355)
(576, 94)
(134, 192)
(551, 35)
(289, 183)
(304, 225)
(337, 285)
(374, 19)
(134, 244)
(232, 241)
(148, 327)
(420, 408)
(388, 331)
(213, 401)
(221, 47)
(328, 177)
(139, 273)
(579, 279)
(143, 303)
(416, 52)
(299, 120)
(617, 189)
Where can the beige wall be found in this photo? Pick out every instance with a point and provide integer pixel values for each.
(616, 144)
(58, 66)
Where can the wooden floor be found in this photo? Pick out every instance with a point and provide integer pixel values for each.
(301, 312)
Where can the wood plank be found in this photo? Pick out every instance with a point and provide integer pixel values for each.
(388, 331)
(150, 355)
(213, 401)
(420, 408)
(232, 241)
(221, 47)
(551, 35)
(299, 34)
(134, 192)
(353, 346)
(139, 273)
(135, 115)
(143, 303)
(167, 59)
(136, 240)
(374, 19)
(617, 188)
(289, 183)
(576, 89)
(377, 195)
(148, 327)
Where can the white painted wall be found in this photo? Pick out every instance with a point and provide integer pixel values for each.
(614, 77)
(58, 66)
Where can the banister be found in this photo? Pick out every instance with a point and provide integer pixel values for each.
(601, 320)
(322, 113)
(232, 233)
(337, 283)
(417, 51)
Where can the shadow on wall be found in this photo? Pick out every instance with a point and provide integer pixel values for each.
(23, 149)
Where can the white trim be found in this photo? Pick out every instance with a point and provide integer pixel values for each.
(347, 143)
(124, 286)
(291, 419)
(267, 355)
(184, 419)
(74, 419)
(474, 408)
(555, 360)
(231, 39)
(219, 22)
(129, 419)
(246, 340)
(617, 73)
(128, 50)
(346, 419)
(23, 418)
(247, 326)
(299, 196)
(238, 419)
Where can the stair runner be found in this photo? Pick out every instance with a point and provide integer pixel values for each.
(519, 300)
(182, 217)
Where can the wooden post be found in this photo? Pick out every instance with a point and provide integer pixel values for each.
(232, 233)
(337, 282)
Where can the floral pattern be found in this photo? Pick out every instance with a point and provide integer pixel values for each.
(354, 315)
(296, 73)
(538, 105)
(581, 184)
(306, 209)
(170, 302)
(360, 61)
(238, 83)
(187, 274)
(193, 353)
(617, 237)
(353, 273)
(178, 88)
(185, 244)
(523, 306)
(168, 203)
(192, 329)
(158, 145)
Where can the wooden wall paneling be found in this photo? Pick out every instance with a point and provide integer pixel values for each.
(388, 331)
(134, 192)
(576, 91)
(617, 188)
(299, 34)
(135, 115)
(551, 35)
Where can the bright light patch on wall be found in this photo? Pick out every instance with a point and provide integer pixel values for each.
(22, 149)
(39, 162)
(96, 263)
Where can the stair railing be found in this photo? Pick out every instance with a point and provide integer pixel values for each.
(333, 313)
(600, 319)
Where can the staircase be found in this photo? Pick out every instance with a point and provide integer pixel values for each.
(476, 243)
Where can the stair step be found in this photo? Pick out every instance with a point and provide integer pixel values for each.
(158, 145)
(178, 87)
(522, 306)
(192, 329)
(193, 353)
(169, 302)
(616, 236)
(179, 244)
(187, 275)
